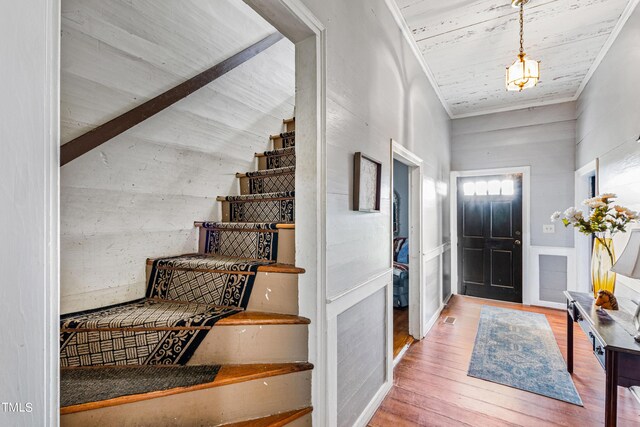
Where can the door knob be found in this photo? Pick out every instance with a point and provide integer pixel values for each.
(517, 242)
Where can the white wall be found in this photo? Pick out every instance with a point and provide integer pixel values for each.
(608, 126)
(540, 137)
(137, 195)
(28, 107)
(376, 90)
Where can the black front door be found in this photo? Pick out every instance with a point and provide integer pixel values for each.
(490, 237)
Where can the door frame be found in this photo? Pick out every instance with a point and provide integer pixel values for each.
(529, 287)
(298, 24)
(415, 235)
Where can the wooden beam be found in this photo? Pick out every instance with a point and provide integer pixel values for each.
(103, 133)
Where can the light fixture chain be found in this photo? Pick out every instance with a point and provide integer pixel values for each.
(522, 27)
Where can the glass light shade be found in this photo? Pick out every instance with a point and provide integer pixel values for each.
(522, 74)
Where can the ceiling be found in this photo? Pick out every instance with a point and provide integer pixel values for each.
(467, 44)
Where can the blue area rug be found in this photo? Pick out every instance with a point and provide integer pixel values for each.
(518, 349)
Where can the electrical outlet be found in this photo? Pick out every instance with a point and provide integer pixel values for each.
(548, 228)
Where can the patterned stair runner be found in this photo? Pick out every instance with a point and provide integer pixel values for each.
(270, 180)
(143, 332)
(186, 296)
(284, 140)
(241, 239)
(280, 158)
(206, 279)
(267, 207)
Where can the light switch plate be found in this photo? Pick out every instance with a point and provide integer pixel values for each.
(548, 228)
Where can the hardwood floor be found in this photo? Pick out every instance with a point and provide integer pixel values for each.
(401, 336)
(431, 386)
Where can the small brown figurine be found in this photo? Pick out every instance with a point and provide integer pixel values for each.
(606, 300)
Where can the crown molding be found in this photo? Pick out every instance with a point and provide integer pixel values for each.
(514, 107)
(406, 32)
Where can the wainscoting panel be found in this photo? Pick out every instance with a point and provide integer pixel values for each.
(552, 277)
(361, 356)
(552, 272)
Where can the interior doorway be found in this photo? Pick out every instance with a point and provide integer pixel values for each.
(490, 225)
(406, 250)
(400, 214)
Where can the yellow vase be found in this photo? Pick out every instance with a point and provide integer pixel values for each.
(601, 262)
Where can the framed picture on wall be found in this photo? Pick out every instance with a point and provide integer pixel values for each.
(367, 176)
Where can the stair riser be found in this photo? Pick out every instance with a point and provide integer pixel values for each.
(214, 406)
(276, 161)
(275, 293)
(272, 293)
(280, 142)
(285, 246)
(281, 211)
(268, 184)
(252, 344)
(290, 126)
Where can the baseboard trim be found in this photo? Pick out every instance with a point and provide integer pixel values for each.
(433, 320)
(373, 406)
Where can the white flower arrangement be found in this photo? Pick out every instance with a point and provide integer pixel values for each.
(605, 218)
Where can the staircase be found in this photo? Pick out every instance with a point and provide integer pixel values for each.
(217, 340)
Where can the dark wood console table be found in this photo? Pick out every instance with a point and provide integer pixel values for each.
(613, 346)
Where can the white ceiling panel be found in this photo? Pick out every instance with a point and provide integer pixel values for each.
(468, 44)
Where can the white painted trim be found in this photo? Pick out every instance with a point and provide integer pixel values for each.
(534, 277)
(340, 305)
(437, 251)
(526, 221)
(372, 407)
(434, 319)
(416, 235)
(631, 6)
(401, 354)
(331, 417)
(514, 107)
(446, 301)
(296, 22)
(582, 243)
(51, 291)
(353, 296)
(406, 32)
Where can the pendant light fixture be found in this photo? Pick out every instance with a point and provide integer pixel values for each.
(524, 72)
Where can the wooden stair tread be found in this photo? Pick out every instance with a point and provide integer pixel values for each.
(261, 197)
(285, 121)
(277, 151)
(285, 170)
(268, 268)
(262, 318)
(279, 135)
(281, 226)
(276, 420)
(228, 374)
(281, 268)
